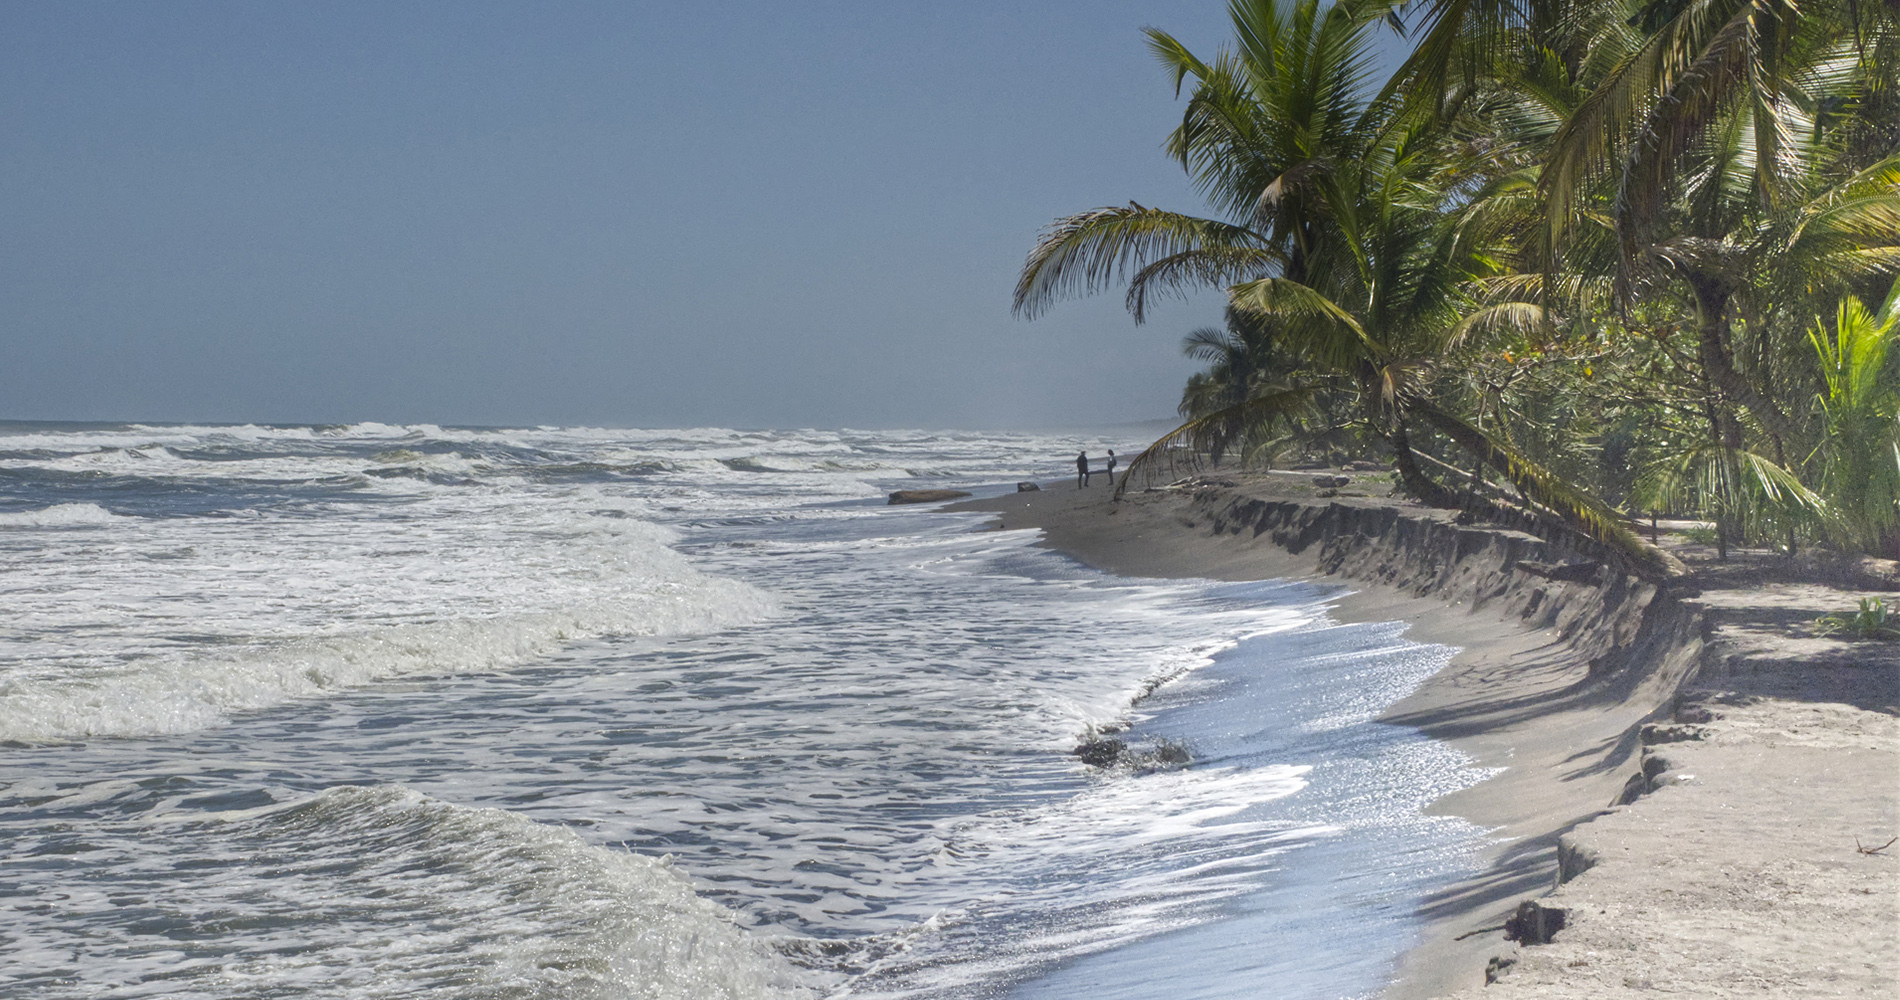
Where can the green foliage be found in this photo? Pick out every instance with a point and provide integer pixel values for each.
(1566, 261)
(1872, 621)
(1858, 455)
(1700, 535)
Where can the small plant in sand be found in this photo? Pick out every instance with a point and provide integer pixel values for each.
(1874, 620)
(1699, 535)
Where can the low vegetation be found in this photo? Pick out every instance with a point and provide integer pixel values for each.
(1873, 621)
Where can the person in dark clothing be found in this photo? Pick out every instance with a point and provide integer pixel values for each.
(1081, 470)
(1111, 465)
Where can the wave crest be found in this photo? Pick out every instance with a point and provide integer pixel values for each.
(381, 886)
(620, 580)
(59, 516)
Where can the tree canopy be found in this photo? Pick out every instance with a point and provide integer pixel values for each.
(1570, 263)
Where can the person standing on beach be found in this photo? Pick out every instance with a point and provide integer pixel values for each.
(1081, 470)
(1111, 465)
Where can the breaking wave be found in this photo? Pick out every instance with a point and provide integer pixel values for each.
(380, 891)
(618, 578)
(58, 516)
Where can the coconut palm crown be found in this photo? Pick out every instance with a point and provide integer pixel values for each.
(1354, 232)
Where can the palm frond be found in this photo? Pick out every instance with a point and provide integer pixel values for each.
(1210, 267)
(1323, 328)
(1853, 359)
(1691, 61)
(1210, 343)
(1090, 251)
(1504, 318)
(1175, 57)
(1707, 469)
(1278, 402)
(1687, 97)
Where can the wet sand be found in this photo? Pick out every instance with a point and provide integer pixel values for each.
(1695, 765)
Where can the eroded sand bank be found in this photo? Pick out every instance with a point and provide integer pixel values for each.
(1685, 775)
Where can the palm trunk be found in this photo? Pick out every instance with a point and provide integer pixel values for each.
(1563, 507)
(1713, 350)
(1721, 505)
(1414, 479)
(1718, 376)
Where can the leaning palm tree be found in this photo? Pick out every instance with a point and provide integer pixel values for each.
(1271, 134)
(1263, 129)
(1351, 231)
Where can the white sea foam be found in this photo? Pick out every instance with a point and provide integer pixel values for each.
(379, 891)
(188, 693)
(294, 610)
(58, 516)
(1185, 843)
(880, 780)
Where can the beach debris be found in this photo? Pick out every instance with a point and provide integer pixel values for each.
(1495, 969)
(1027, 487)
(1101, 752)
(1196, 484)
(1332, 481)
(924, 496)
(1874, 850)
(1107, 751)
(1534, 923)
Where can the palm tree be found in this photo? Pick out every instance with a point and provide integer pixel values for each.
(1717, 122)
(1356, 235)
(1245, 359)
(1720, 153)
(1269, 133)
(1266, 124)
(1859, 455)
(1240, 360)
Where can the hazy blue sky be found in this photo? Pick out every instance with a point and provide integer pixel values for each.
(745, 214)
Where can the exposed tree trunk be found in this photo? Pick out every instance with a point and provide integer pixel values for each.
(1571, 516)
(1725, 430)
(1416, 482)
(1721, 505)
(1713, 350)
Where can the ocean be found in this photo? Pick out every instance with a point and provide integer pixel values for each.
(413, 711)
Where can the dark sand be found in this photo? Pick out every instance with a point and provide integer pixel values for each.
(1735, 874)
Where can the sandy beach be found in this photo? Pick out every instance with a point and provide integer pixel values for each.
(1698, 783)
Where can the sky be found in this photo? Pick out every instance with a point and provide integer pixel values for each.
(789, 214)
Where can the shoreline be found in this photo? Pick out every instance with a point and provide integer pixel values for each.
(1591, 691)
